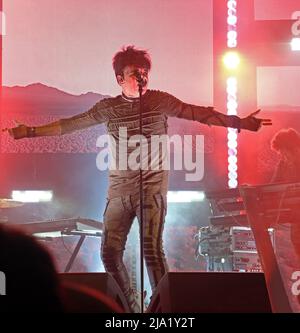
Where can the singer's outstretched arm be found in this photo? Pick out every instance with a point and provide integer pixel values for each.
(23, 131)
(174, 107)
(96, 115)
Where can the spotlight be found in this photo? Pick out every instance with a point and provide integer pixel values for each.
(185, 196)
(231, 60)
(32, 196)
(295, 44)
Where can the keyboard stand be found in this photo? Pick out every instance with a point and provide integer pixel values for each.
(78, 245)
(253, 197)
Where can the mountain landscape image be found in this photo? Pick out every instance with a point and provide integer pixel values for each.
(40, 99)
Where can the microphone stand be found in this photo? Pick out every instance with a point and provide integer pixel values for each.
(140, 84)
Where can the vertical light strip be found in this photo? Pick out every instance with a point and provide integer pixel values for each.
(231, 89)
(295, 42)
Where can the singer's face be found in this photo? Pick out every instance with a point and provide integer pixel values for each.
(129, 83)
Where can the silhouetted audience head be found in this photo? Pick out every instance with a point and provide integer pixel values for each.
(286, 140)
(31, 280)
(33, 285)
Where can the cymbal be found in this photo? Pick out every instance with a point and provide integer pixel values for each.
(9, 203)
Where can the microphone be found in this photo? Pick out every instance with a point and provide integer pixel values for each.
(142, 81)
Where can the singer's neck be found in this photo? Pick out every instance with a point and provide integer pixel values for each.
(132, 96)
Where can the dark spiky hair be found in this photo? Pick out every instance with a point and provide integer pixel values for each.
(129, 55)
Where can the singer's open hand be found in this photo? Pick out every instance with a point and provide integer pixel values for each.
(252, 123)
(17, 132)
